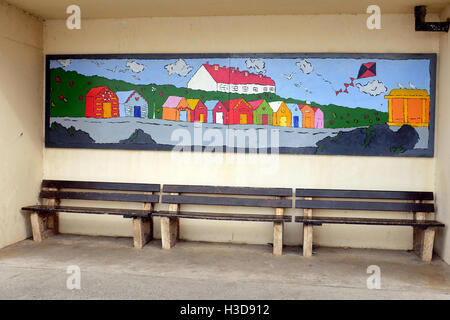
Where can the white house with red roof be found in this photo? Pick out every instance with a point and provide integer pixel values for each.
(212, 77)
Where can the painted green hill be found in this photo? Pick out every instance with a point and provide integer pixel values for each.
(68, 91)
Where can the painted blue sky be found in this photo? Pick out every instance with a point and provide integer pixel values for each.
(318, 81)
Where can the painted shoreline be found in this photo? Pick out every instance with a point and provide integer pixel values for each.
(165, 132)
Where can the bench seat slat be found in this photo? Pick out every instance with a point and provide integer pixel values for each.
(124, 197)
(363, 205)
(281, 192)
(88, 210)
(223, 216)
(364, 194)
(227, 201)
(369, 221)
(118, 186)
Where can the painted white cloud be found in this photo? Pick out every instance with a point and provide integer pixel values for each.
(135, 67)
(374, 87)
(305, 66)
(180, 68)
(65, 63)
(257, 65)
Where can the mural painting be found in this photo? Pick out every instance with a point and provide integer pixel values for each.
(335, 104)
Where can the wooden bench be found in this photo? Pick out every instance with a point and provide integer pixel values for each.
(44, 217)
(223, 196)
(424, 228)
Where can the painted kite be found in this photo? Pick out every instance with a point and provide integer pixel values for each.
(368, 69)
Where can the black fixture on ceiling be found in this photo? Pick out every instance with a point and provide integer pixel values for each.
(420, 12)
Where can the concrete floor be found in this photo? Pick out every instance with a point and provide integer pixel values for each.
(112, 269)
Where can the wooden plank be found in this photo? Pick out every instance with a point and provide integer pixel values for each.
(368, 221)
(307, 232)
(227, 201)
(118, 186)
(223, 216)
(41, 209)
(175, 188)
(104, 196)
(364, 194)
(365, 205)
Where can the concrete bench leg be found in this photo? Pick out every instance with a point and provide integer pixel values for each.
(307, 240)
(307, 233)
(423, 241)
(278, 238)
(142, 231)
(44, 225)
(169, 232)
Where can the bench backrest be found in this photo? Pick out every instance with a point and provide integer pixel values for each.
(213, 195)
(83, 190)
(415, 198)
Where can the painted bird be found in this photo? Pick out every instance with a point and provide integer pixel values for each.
(289, 77)
(99, 64)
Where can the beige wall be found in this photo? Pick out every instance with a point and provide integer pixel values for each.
(442, 144)
(328, 33)
(21, 121)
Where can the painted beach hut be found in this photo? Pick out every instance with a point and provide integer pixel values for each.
(220, 114)
(308, 116)
(184, 111)
(132, 104)
(281, 114)
(262, 112)
(200, 111)
(297, 115)
(318, 118)
(408, 106)
(239, 111)
(210, 105)
(176, 109)
(101, 102)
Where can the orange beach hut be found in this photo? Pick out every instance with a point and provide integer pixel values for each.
(176, 109)
(408, 106)
(308, 116)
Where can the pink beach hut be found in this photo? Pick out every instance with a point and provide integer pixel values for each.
(318, 118)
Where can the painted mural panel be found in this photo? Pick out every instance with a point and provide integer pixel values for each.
(338, 104)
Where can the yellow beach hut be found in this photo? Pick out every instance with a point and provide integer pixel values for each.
(282, 116)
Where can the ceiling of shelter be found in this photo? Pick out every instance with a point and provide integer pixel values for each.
(56, 9)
